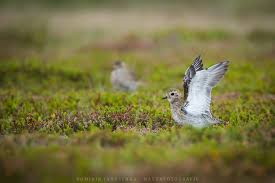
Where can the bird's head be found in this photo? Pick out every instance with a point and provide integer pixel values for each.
(172, 95)
(118, 65)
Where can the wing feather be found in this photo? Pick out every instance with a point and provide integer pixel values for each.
(199, 93)
(190, 73)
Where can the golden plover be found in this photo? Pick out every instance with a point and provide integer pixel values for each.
(194, 107)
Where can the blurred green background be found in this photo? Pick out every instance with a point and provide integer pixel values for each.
(41, 26)
(61, 120)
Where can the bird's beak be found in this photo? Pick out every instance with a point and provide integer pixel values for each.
(165, 97)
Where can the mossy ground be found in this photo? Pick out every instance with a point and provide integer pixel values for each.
(60, 118)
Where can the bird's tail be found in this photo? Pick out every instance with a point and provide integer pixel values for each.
(219, 122)
(214, 121)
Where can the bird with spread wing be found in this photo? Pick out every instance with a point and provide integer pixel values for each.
(194, 107)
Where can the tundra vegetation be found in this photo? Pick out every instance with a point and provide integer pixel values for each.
(60, 118)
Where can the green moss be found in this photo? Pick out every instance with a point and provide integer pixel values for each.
(187, 35)
(260, 35)
(64, 115)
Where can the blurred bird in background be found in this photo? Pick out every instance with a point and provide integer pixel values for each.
(122, 78)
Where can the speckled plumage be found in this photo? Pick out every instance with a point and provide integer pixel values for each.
(194, 107)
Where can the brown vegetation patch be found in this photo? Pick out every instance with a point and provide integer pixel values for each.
(205, 171)
(127, 43)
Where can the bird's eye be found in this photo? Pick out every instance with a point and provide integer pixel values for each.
(172, 94)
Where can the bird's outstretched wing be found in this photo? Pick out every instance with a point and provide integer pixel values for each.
(199, 92)
(190, 73)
